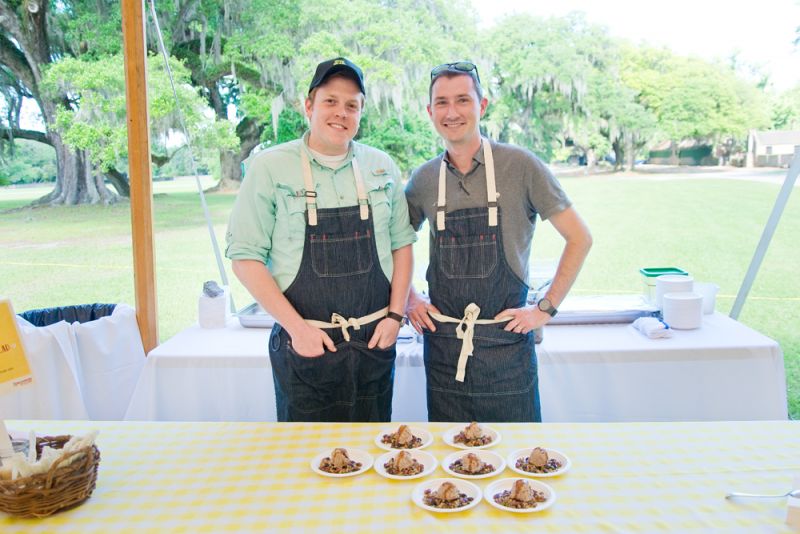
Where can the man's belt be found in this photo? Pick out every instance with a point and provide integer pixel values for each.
(337, 321)
(464, 331)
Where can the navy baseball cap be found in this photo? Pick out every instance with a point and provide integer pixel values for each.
(332, 66)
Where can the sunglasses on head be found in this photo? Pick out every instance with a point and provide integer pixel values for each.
(459, 66)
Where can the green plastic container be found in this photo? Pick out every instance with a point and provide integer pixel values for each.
(649, 275)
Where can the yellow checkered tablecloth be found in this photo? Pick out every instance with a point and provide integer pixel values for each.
(255, 477)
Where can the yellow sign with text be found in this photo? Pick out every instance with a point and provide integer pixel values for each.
(14, 369)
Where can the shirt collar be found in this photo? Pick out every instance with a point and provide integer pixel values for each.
(477, 157)
(346, 161)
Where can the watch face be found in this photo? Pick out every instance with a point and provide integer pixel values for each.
(546, 306)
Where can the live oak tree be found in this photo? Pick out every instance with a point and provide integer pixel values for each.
(257, 57)
(552, 82)
(539, 77)
(695, 99)
(97, 126)
(32, 38)
(65, 55)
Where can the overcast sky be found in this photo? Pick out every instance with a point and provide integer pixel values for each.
(762, 32)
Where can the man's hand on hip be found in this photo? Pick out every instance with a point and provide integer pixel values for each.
(524, 319)
(417, 312)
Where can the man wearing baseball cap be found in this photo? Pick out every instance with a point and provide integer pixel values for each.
(481, 200)
(320, 236)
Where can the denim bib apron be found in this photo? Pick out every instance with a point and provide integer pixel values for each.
(498, 381)
(340, 276)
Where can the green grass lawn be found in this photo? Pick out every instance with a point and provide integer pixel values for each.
(710, 227)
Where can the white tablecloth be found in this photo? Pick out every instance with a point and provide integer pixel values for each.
(602, 373)
(605, 373)
(80, 370)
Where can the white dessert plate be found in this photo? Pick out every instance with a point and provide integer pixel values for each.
(449, 437)
(504, 484)
(488, 457)
(470, 489)
(357, 455)
(552, 453)
(423, 434)
(428, 461)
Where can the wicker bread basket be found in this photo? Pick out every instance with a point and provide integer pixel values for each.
(59, 488)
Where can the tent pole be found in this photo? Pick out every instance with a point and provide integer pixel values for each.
(133, 33)
(766, 236)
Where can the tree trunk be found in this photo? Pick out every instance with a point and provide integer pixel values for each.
(75, 182)
(619, 154)
(120, 182)
(630, 151)
(230, 165)
(591, 160)
(249, 133)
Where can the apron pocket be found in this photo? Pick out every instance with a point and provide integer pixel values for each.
(341, 255)
(317, 384)
(502, 362)
(473, 256)
(375, 369)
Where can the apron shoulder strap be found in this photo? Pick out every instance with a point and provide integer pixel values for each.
(363, 202)
(491, 188)
(440, 202)
(310, 193)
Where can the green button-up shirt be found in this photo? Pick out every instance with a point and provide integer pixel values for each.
(268, 219)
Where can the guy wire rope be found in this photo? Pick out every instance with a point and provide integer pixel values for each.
(222, 274)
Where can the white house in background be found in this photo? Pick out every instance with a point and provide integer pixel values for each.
(772, 148)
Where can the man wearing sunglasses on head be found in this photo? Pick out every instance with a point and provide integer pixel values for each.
(481, 199)
(320, 237)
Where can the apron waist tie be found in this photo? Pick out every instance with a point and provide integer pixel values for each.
(338, 321)
(465, 331)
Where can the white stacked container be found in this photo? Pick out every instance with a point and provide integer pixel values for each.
(671, 283)
(683, 311)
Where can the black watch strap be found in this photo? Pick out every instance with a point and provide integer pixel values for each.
(396, 316)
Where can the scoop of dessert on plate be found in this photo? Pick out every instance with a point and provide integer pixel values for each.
(539, 462)
(405, 437)
(341, 462)
(476, 464)
(446, 495)
(473, 436)
(519, 495)
(405, 464)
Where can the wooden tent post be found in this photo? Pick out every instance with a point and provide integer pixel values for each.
(133, 33)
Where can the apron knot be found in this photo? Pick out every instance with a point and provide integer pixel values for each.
(344, 324)
(465, 331)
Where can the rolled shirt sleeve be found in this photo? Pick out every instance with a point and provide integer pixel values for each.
(400, 229)
(252, 221)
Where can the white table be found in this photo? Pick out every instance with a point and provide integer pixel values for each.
(605, 373)
(601, 373)
(225, 375)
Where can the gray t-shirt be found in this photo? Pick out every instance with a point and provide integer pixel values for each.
(525, 185)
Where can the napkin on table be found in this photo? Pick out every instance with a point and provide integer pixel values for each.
(652, 327)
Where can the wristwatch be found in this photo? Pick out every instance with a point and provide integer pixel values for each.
(396, 316)
(546, 306)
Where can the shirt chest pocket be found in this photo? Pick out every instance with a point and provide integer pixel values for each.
(290, 216)
(380, 204)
